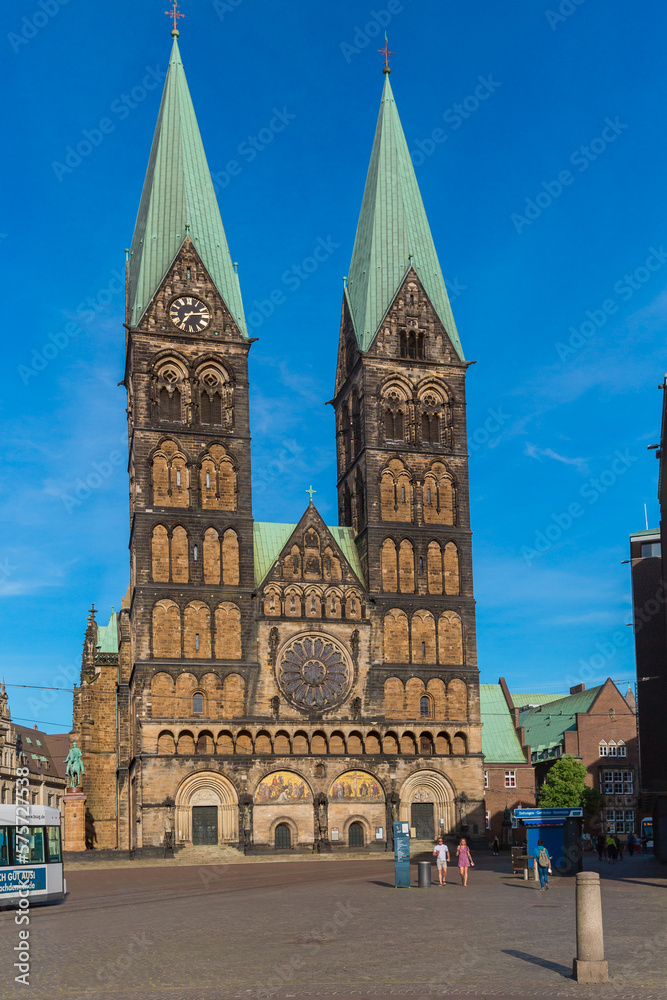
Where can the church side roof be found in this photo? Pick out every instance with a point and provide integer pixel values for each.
(270, 539)
(500, 742)
(544, 726)
(177, 201)
(393, 233)
(107, 635)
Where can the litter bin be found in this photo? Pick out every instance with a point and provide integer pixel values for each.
(424, 874)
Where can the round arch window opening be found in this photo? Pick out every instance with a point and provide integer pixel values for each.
(313, 672)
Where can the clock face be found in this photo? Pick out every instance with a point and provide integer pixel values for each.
(189, 314)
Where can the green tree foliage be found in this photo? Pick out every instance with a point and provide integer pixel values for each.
(566, 787)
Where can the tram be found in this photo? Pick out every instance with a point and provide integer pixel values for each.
(30, 855)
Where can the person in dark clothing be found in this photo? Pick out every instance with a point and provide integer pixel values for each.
(631, 844)
(599, 843)
(496, 846)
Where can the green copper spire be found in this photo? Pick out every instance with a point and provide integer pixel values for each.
(178, 201)
(393, 234)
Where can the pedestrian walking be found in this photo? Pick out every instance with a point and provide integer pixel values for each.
(610, 844)
(542, 861)
(599, 843)
(638, 845)
(465, 860)
(496, 846)
(441, 852)
(644, 842)
(619, 847)
(631, 844)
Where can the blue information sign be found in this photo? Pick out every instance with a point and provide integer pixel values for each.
(13, 879)
(549, 814)
(401, 855)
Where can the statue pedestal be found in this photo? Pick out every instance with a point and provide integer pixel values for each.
(74, 820)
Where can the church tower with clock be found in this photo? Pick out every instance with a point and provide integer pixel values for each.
(285, 686)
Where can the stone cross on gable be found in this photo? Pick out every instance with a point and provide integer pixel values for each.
(310, 491)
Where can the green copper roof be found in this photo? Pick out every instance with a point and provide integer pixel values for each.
(270, 539)
(500, 743)
(545, 726)
(177, 201)
(393, 232)
(521, 700)
(107, 635)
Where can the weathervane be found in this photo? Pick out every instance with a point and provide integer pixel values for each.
(310, 491)
(386, 53)
(174, 14)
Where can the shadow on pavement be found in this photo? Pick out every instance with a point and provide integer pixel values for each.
(544, 963)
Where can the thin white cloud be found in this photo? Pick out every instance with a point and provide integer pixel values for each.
(534, 452)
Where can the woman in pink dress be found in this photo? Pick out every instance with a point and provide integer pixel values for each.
(465, 860)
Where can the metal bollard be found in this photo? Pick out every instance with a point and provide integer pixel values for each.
(589, 966)
(424, 874)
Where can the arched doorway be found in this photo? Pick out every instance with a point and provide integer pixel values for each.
(206, 809)
(355, 835)
(427, 797)
(283, 837)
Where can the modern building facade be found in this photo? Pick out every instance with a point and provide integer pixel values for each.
(281, 685)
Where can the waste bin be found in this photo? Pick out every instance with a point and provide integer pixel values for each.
(424, 874)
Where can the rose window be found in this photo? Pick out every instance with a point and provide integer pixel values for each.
(313, 672)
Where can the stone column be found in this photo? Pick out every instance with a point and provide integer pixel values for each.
(74, 816)
(589, 966)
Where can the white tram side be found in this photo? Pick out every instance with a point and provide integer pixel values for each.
(31, 856)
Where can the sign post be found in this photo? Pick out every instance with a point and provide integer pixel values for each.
(401, 855)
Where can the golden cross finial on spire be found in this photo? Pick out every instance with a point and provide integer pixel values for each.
(386, 53)
(174, 14)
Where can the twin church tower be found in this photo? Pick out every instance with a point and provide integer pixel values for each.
(270, 685)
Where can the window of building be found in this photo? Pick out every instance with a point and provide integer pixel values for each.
(486, 779)
(650, 550)
(197, 642)
(619, 820)
(424, 707)
(487, 820)
(613, 749)
(510, 779)
(617, 783)
(195, 553)
(198, 704)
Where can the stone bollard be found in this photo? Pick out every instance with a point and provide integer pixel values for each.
(589, 966)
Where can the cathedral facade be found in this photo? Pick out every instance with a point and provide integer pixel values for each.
(275, 685)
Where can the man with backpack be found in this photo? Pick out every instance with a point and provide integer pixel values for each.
(542, 861)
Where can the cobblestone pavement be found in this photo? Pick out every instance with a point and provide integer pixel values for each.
(311, 930)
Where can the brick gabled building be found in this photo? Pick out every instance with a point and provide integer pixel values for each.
(42, 753)
(597, 726)
(283, 685)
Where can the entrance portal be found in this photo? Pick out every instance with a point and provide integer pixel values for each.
(283, 837)
(356, 835)
(421, 818)
(204, 825)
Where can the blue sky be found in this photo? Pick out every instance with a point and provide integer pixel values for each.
(545, 194)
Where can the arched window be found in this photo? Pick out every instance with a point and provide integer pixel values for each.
(425, 707)
(210, 398)
(169, 394)
(197, 704)
(394, 415)
(359, 502)
(356, 422)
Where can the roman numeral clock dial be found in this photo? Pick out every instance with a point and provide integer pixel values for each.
(189, 314)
